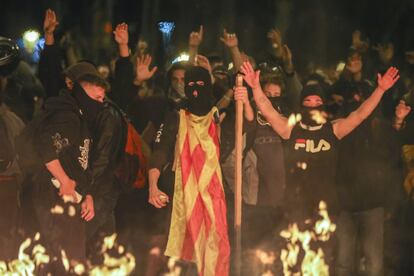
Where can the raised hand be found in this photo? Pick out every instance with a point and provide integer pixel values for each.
(229, 39)
(402, 110)
(390, 77)
(251, 77)
(142, 70)
(202, 61)
(275, 38)
(50, 22)
(196, 38)
(121, 34)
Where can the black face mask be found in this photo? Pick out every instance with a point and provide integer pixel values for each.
(276, 102)
(308, 115)
(90, 108)
(200, 96)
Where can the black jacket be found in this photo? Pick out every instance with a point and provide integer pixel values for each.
(64, 135)
(109, 136)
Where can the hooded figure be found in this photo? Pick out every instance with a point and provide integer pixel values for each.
(198, 230)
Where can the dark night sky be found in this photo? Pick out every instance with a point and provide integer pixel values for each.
(314, 29)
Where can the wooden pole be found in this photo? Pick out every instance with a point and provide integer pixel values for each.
(238, 181)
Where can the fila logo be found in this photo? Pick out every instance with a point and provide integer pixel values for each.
(309, 145)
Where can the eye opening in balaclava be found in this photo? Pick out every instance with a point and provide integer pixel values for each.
(198, 90)
(315, 115)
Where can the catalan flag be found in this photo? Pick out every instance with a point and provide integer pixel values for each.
(198, 230)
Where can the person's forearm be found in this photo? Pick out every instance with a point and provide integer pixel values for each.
(56, 169)
(248, 112)
(192, 53)
(277, 121)
(123, 50)
(236, 58)
(49, 39)
(153, 176)
(398, 123)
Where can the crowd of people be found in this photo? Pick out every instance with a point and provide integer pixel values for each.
(342, 134)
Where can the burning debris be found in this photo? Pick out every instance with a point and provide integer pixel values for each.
(299, 243)
(28, 265)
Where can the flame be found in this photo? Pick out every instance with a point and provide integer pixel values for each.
(27, 264)
(294, 119)
(319, 116)
(267, 260)
(174, 269)
(58, 210)
(313, 263)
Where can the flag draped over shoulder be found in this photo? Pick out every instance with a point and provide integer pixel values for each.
(198, 230)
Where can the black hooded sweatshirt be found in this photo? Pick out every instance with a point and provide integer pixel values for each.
(63, 134)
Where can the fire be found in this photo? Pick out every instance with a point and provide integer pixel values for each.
(294, 119)
(27, 264)
(319, 116)
(174, 269)
(266, 260)
(313, 263)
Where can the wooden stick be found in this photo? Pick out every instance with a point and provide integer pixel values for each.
(238, 181)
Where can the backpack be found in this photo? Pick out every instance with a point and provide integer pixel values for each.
(131, 170)
(6, 148)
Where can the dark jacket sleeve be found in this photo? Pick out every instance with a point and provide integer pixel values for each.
(50, 70)
(61, 137)
(164, 143)
(123, 88)
(109, 141)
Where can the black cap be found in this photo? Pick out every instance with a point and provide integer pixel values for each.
(312, 90)
(9, 56)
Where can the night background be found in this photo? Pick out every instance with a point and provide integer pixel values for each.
(316, 30)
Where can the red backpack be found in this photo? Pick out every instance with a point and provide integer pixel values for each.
(132, 167)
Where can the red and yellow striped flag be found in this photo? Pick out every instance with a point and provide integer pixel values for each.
(198, 230)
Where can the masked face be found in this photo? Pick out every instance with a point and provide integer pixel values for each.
(198, 90)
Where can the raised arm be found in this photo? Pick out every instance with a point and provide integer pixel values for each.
(121, 37)
(343, 127)
(50, 65)
(278, 122)
(232, 43)
(194, 42)
(49, 26)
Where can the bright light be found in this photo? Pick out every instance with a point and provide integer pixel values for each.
(181, 57)
(31, 36)
(166, 27)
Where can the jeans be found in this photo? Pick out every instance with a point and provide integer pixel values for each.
(365, 230)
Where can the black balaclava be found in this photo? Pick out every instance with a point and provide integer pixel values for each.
(90, 108)
(200, 97)
(308, 113)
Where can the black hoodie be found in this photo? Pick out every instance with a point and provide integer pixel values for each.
(64, 135)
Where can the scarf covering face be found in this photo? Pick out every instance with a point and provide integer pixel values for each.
(198, 230)
(90, 108)
(198, 90)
